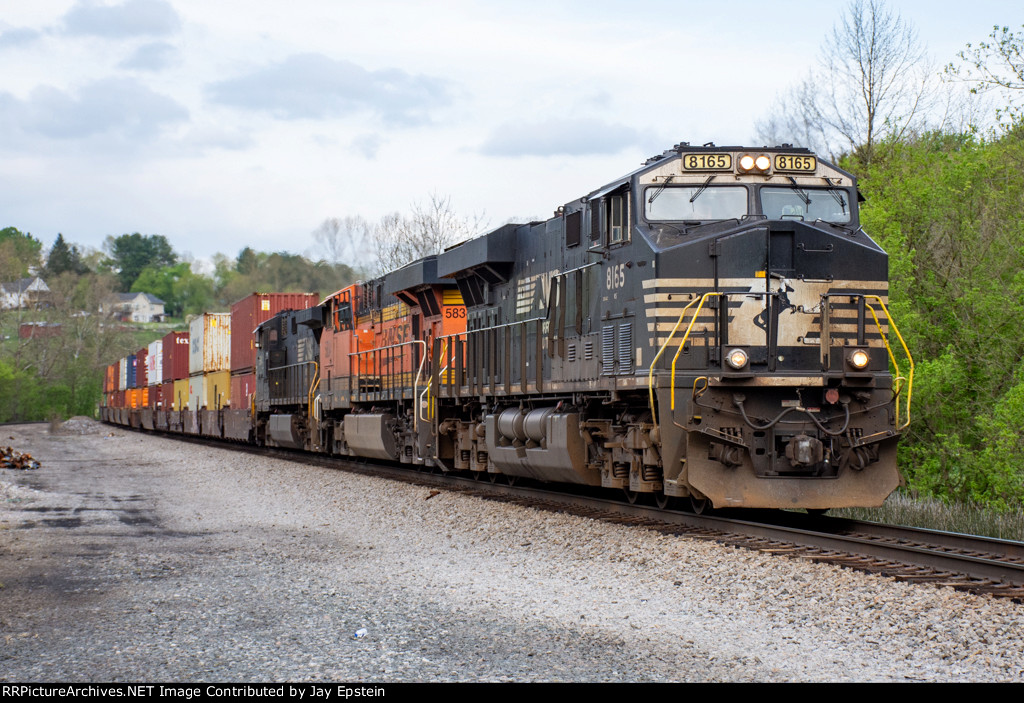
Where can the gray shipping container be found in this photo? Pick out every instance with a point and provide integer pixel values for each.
(210, 343)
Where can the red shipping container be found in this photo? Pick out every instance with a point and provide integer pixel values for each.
(155, 392)
(140, 368)
(167, 396)
(242, 388)
(175, 356)
(249, 312)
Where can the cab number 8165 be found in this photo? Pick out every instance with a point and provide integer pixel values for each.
(615, 277)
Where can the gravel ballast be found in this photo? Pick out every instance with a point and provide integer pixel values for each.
(128, 557)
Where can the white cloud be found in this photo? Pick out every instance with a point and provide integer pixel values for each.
(313, 86)
(151, 57)
(19, 37)
(133, 18)
(119, 107)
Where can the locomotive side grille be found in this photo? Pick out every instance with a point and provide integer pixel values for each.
(625, 351)
(607, 350)
(571, 354)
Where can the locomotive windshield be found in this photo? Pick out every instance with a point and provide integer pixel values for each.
(796, 203)
(695, 203)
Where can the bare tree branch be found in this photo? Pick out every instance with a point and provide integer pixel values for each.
(872, 81)
(429, 229)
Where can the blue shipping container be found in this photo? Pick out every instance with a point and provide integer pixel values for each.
(131, 371)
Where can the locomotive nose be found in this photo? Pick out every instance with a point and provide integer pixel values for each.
(804, 451)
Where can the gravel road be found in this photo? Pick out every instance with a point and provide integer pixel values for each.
(128, 557)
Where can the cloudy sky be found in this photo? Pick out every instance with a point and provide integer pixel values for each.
(230, 123)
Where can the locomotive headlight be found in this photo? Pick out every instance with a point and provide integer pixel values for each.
(858, 358)
(748, 162)
(736, 358)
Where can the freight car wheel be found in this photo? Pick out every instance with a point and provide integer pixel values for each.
(662, 500)
(698, 505)
(631, 496)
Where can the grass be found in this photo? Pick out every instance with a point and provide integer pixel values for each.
(901, 509)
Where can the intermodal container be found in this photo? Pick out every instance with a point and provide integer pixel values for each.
(167, 396)
(216, 390)
(141, 379)
(122, 374)
(175, 347)
(249, 312)
(155, 393)
(180, 401)
(195, 392)
(155, 362)
(242, 388)
(209, 343)
(110, 379)
(130, 365)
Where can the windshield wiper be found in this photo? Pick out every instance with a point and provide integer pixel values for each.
(801, 192)
(661, 189)
(702, 188)
(840, 200)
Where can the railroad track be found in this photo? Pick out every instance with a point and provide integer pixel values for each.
(965, 562)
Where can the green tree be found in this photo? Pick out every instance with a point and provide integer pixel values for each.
(63, 258)
(131, 253)
(946, 208)
(18, 253)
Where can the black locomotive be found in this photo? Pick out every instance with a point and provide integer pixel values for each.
(712, 326)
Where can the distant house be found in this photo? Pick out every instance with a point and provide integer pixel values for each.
(24, 293)
(38, 330)
(135, 307)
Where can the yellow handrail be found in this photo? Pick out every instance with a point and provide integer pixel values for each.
(682, 343)
(910, 379)
(426, 391)
(654, 362)
(312, 387)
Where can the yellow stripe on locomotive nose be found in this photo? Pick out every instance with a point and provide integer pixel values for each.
(760, 274)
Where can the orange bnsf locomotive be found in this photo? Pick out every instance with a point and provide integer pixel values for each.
(712, 326)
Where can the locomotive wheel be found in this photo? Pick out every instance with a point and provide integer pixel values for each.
(631, 496)
(698, 505)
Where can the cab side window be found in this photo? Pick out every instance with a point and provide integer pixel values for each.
(618, 218)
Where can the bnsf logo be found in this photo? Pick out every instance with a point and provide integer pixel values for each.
(395, 335)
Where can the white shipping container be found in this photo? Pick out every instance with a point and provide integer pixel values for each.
(122, 374)
(210, 343)
(195, 392)
(155, 362)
